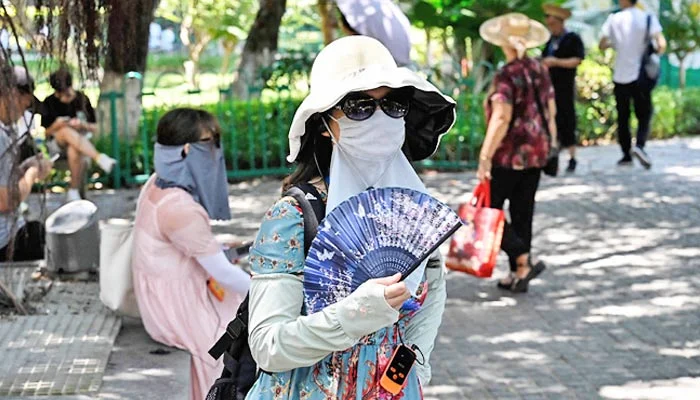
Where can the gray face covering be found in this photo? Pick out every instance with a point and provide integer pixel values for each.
(202, 173)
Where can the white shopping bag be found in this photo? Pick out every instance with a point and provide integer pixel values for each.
(116, 285)
(116, 278)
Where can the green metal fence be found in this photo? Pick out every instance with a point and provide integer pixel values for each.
(670, 75)
(255, 138)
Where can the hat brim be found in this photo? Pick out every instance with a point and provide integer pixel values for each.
(559, 12)
(431, 114)
(491, 32)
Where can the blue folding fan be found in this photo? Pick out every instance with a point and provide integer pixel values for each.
(374, 234)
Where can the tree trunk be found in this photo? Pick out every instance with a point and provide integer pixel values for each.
(482, 65)
(260, 48)
(195, 42)
(229, 48)
(329, 21)
(428, 48)
(25, 27)
(460, 45)
(127, 50)
(682, 73)
(460, 48)
(195, 51)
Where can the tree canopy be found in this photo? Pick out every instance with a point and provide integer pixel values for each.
(465, 16)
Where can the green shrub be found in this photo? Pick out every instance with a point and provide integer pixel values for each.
(158, 62)
(666, 113)
(676, 112)
(595, 110)
(255, 132)
(688, 119)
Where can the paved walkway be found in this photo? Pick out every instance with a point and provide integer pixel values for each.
(615, 316)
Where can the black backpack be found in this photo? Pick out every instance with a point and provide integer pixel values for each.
(240, 370)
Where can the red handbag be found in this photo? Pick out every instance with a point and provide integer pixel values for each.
(474, 248)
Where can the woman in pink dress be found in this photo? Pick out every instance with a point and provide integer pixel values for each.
(175, 254)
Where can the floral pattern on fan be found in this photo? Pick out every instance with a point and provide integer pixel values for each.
(374, 234)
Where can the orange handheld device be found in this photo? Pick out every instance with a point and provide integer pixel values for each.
(216, 289)
(394, 376)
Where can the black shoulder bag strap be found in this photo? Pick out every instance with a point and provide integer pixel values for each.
(552, 164)
(313, 210)
(238, 327)
(540, 107)
(648, 36)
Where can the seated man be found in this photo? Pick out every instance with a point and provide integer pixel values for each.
(67, 115)
(16, 179)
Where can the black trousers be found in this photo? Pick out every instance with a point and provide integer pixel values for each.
(519, 187)
(566, 118)
(29, 243)
(625, 95)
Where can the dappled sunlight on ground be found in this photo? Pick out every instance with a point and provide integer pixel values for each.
(667, 389)
(616, 314)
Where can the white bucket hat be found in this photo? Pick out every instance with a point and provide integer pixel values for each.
(357, 63)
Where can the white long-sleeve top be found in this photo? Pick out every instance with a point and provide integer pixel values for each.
(281, 339)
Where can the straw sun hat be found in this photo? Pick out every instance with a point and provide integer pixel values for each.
(357, 63)
(556, 11)
(514, 30)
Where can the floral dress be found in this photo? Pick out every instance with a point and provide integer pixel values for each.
(351, 374)
(526, 144)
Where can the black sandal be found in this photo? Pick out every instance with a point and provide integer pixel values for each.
(509, 286)
(521, 285)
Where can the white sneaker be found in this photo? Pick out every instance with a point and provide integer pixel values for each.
(105, 162)
(73, 195)
(642, 156)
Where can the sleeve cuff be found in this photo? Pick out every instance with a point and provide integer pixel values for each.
(365, 311)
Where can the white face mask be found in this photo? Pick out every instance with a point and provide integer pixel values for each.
(369, 146)
(377, 138)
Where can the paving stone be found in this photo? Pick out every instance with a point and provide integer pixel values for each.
(55, 355)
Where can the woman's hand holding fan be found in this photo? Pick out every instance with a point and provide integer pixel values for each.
(395, 292)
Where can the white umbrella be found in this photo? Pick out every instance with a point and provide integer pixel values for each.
(382, 20)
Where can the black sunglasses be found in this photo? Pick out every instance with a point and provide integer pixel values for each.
(359, 106)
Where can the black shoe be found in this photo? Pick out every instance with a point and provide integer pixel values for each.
(521, 285)
(625, 161)
(642, 156)
(572, 166)
(509, 286)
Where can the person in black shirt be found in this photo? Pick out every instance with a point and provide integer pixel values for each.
(562, 54)
(67, 116)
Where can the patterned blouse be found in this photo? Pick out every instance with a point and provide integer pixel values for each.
(526, 144)
(343, 375)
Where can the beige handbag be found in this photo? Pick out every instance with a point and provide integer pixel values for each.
(116, 244)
